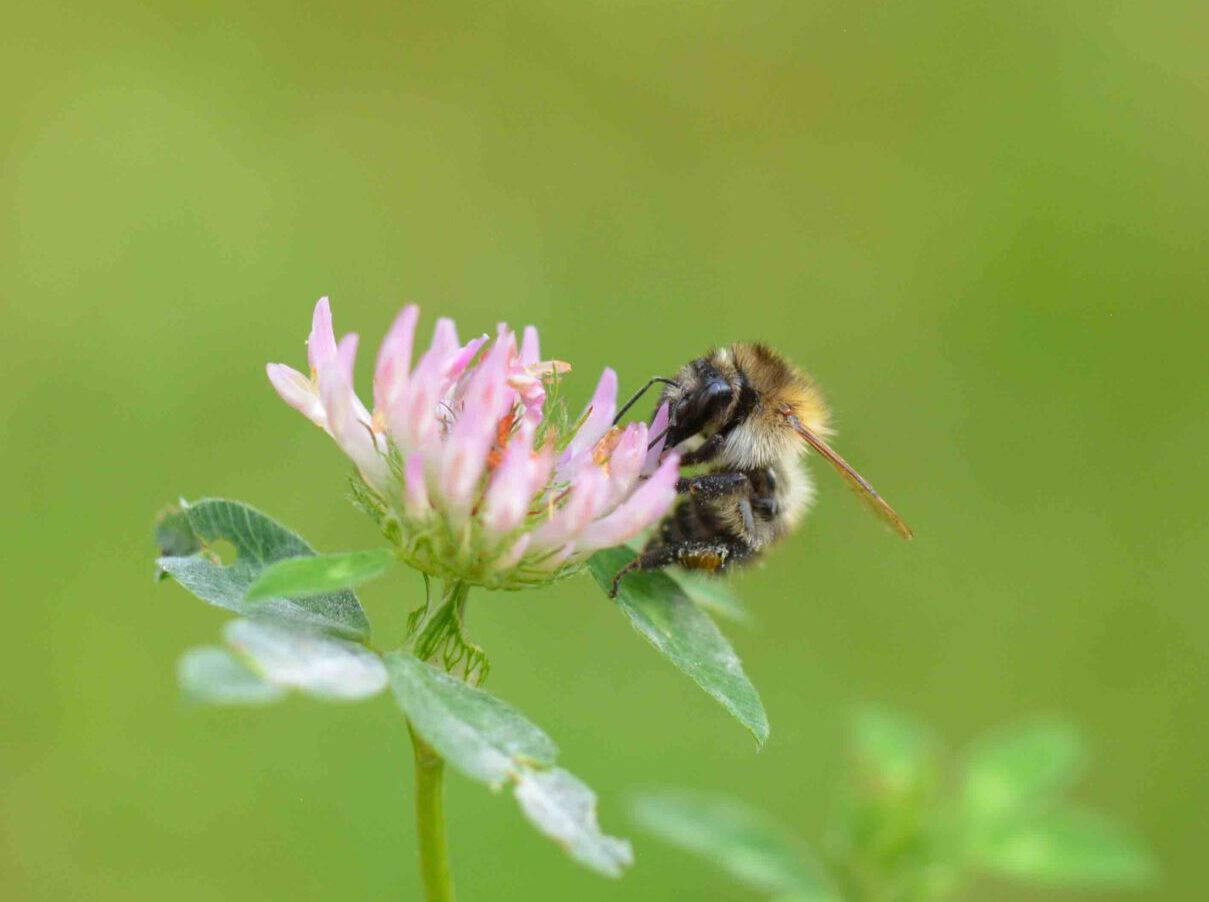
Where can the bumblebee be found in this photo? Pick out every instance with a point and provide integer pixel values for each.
(748, 415)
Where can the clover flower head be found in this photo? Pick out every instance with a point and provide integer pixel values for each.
(467, 461)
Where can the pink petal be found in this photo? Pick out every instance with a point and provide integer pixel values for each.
(627, 461)
(529, 373)
(601, 410)
(541, 465)
(298, 391)
(347, 418)
(321, 343)
(457, 363)
(647, 506)
(444, 339)
(346, 358)
(530, 347)
(513, 555)
(597, 422)
(415, 493)
(589, 494)
(531, 392)
(508, 497)
(415, 418)
(658, 427)
(394, 359)
(488, 397)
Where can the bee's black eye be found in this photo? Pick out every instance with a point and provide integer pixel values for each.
(695, 409)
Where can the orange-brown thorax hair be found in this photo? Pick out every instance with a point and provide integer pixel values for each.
(777, 383)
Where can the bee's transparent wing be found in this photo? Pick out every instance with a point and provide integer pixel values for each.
(867, 493)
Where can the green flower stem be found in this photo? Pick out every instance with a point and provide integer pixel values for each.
(436, 635)
(430, 822)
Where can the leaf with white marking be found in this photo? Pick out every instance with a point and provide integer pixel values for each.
(259, 542)
(484, 738)
(562, 807)
(492, 742)
(318, 665)
(214, 676)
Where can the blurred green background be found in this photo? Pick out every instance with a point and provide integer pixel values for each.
(982, 227)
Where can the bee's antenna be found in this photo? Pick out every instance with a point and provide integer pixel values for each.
(642, 391)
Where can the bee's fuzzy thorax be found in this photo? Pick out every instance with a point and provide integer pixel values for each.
(764, 386)
(778, 382)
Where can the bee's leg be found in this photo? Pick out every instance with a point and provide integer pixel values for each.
(651, 559)
(709, 555)
(764, 493)
(737, 551)
(766, 505)
(749, 521)
(722, 485)
(707, 452)
(714, 485)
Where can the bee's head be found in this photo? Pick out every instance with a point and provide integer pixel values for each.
(703, 397)
(746, 391)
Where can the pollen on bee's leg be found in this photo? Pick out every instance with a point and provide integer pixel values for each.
(708, 561)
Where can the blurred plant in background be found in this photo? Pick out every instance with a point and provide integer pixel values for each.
(478, 478)
(909, 831)
(981, 225)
